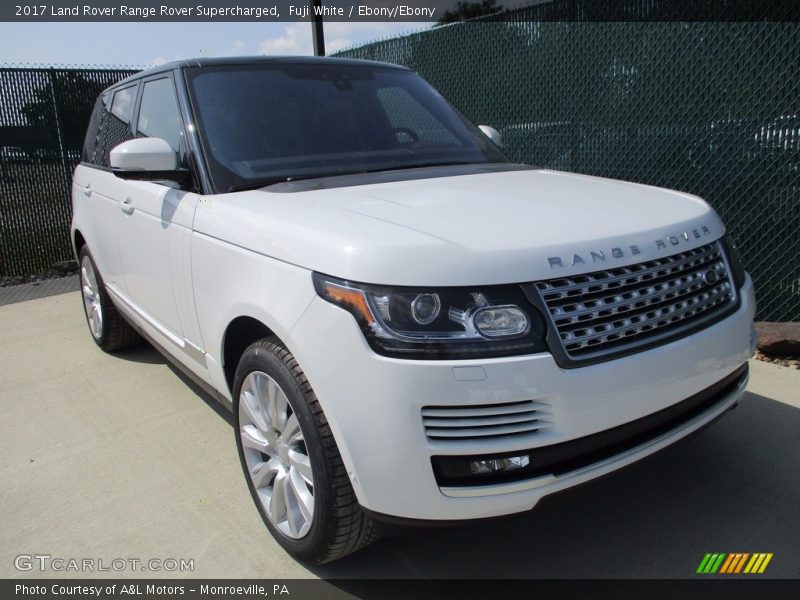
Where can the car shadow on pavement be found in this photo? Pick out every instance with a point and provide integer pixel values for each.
(734, 487)
(142, 353)
(146, 353)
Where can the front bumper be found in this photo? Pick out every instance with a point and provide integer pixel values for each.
(374, 407)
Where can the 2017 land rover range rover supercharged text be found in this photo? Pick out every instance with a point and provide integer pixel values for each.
(406, 325)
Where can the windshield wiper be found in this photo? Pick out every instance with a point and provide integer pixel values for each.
(283, 179)
(423, 166)
(290, 179)
(261, 183)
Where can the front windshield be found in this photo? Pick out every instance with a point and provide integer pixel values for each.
(264, 123)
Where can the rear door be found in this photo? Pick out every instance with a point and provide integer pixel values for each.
(95, 189)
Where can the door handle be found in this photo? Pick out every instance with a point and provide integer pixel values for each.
(126, 206)
(87, 189)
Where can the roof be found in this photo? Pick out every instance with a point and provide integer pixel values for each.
(193, 63)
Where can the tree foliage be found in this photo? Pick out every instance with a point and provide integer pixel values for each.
(66, 100)
(470, 10)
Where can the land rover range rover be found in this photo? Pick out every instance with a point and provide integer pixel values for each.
(406, 325)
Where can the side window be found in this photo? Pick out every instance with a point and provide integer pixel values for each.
(122, 106)
(92, 141)
(158, 113)
(110, 125)
(406, 113)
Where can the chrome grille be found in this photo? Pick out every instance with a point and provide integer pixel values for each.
(484, 421)
(611, 310)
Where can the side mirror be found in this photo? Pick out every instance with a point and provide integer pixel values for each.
(492, 134)
(148, 159)
(144, 154)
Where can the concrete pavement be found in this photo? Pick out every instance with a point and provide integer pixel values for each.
(108, 457)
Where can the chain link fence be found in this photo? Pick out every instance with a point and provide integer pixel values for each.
(708, 108)
(43, 118)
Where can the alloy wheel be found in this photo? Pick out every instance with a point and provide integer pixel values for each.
(91, 298)
(276, 455)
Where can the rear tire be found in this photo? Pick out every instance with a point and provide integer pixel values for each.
(290, 460)
(108, 327)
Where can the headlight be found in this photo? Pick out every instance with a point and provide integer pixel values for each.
(441, 323)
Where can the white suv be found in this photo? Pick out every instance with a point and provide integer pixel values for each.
(407, 326)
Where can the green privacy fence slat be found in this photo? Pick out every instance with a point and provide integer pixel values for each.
(712, 109)
(43, 118)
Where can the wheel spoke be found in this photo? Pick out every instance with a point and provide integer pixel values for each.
(277, 500)
(302, 464)
(250, 408)
(263, 473)
(294, 515)
(277, 405)
(257, 440)
(87, 270)
(95, 321)
(291, 433)
(300, 491)
(259, 386)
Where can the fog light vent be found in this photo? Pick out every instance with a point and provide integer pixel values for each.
(485, 421)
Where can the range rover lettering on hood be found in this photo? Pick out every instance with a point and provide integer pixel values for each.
(599, 256)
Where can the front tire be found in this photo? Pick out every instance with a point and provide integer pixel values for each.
(290, 460)
(109, 329)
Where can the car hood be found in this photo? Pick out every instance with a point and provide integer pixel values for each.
(478, 229)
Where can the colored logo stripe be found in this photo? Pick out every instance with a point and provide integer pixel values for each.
(710, 563)
(731, 560)
(758, 563)
(734, 562)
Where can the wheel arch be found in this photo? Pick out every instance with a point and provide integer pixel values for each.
(78, 241)
(239, 334)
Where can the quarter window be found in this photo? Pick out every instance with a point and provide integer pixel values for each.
(122, 107)
(110, 125)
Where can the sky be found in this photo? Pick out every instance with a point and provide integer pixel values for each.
(147, 44)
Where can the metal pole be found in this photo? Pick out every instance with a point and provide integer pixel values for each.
(60, 124)
(316, 29)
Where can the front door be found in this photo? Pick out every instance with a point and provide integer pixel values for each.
(155, 231)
